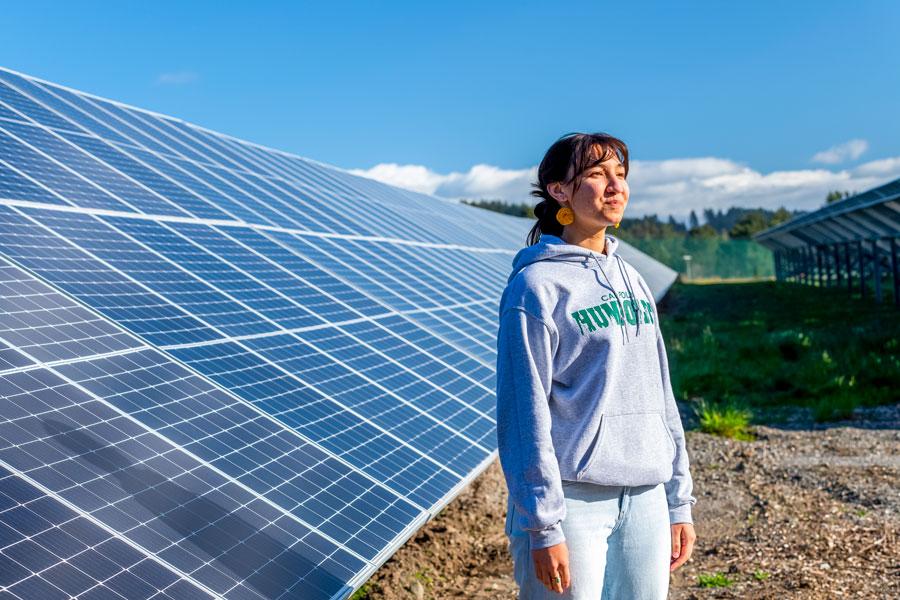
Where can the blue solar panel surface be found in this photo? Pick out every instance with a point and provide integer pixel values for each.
(225, 371)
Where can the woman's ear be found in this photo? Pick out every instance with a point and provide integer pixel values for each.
(558, 191)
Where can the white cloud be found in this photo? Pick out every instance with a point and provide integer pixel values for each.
(481, 181)
(177, 78)
(842, 152)
(664, 187)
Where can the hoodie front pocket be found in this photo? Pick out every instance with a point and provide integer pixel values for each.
(631, 449)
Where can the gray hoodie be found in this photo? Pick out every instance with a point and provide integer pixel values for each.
(583, 389)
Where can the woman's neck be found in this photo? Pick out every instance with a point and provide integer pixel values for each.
(594, 241)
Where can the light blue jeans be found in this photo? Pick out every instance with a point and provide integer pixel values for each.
(619, 542)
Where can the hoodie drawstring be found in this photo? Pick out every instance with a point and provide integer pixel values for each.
(637, 314)
(622, 327)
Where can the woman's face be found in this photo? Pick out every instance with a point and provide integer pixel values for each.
(600, 199)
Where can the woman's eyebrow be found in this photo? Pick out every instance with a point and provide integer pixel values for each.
(599, 163)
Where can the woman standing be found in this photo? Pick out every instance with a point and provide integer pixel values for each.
(590, 439)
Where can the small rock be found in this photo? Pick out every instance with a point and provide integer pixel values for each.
(418, 590)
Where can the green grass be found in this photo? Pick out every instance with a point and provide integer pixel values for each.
(741, 352)
(362, 593)
(714, 580)
(730, 419)
(761, 575)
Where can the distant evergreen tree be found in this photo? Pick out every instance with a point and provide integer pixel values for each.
(721, 247)
(837, 196)
(732, 223)
(516, 210)
(675, 225)
(751, 222)
(780, 216)
(703, 232)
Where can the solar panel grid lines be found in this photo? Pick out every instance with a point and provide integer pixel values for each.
(140, 347)
(50, 327)
(91, 416)
(220, 136)
(345, 269)
(59, 181)
(45, 97)
(330, 425)
(209, 278)
(57, 371)
(391, 434)
(196, 233)
(56, 149)
(156, 175)
(211, 281)
(25, 131)
(19, 103)
(240, 172)
(290, 350)
(279, 368)
(53, 550)
(291, 475)
(97, 111)
(43, 251)
(206, 207)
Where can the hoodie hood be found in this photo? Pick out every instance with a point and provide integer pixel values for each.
(554, 248)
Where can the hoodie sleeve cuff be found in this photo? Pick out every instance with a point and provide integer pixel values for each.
(544, 538)
(680, 514)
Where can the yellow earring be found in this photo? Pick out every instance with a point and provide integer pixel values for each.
(565, 216)
(617, 225)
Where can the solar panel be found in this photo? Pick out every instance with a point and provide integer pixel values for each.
(226, 371)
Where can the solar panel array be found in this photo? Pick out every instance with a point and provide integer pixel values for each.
(226, 371)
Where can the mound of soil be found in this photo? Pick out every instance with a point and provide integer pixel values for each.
(804, 511)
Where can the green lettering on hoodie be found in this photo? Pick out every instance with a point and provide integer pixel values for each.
(581, 317)
(648, 315)
(629, 313)
(599, 317)
(612, 309)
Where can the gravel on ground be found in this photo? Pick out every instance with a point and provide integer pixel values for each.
(805, 510)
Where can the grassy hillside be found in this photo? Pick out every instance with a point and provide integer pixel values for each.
(762, 346)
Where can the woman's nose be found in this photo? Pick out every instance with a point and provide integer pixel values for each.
(616, 184)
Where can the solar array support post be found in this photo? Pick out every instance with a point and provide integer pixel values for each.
(837, 264)
(820, 274)
(813, 265)
(861, 267)
(849, 267)
(791, 264)
(894, 271)
(803, 273)
(876, 270)
(804, 265)
(807, 262)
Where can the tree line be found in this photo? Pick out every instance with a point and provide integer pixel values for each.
(732, 223)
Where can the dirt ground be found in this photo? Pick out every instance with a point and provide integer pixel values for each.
(804, 511)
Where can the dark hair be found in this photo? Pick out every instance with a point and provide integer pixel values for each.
(571, 152)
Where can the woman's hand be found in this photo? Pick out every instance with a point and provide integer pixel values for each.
(551, 565)
(683, 538)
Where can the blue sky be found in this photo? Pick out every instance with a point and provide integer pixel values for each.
(721, 103)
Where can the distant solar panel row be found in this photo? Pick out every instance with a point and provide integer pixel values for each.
(250, 375)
